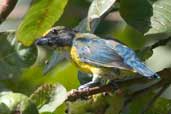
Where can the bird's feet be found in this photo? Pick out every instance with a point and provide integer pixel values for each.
(89, 85)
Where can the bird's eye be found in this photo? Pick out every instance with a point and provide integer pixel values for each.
(54, 31)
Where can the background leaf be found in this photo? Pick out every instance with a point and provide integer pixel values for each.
(83, 26)
(147, 16)
(14, 57)
(161, 106)
(97, 9)
(48, 97)
(40, 17)
(17, 102)
(164, 53)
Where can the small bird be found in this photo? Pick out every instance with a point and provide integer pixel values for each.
(101, 58)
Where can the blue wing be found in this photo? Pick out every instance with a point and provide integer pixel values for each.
(96, 51)
(109, 53)
(130, 59)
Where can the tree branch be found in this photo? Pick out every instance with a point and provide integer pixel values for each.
(6, 6)
(76, 94)
(161, 42)
(152, 101)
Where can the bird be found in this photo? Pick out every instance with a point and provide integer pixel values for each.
(99, 57)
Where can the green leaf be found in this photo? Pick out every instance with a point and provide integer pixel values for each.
(144, 53)
(40, 17)
(13, 57)
(98, 104)
(16, 102)
(32, 77)
(4, 109)
(147, 16)
(83, 26)
(161, 105)
(131, 37)
(48, 97)
(97, 9)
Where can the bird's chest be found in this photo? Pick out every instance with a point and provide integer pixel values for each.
(81, 65)
(107, 73)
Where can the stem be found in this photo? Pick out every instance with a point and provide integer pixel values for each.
(76, 94)
(6, 6)
(161, 43)
(152, 101)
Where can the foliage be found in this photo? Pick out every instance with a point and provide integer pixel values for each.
(29, 85)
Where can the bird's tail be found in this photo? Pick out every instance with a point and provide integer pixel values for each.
(144, 70)
(133, 61)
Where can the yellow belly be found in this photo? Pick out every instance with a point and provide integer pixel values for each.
(81, 65)
(107, 73)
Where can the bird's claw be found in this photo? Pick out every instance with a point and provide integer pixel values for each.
(83, 87)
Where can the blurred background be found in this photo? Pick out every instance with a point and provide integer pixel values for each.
(16, 63)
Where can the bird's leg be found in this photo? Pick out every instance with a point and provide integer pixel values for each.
(96, 81)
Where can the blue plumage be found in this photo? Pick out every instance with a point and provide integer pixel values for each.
(130, 59)
(93, 55)
(96, 52)
(109, 53)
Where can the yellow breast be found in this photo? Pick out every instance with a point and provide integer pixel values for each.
(81, 65)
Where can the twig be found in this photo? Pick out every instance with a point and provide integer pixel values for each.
(141, 92)
(76, 94)
(132, 96)
(152, 87)
(16, 112)
(151, 102)
(6, 7)
(161, 42)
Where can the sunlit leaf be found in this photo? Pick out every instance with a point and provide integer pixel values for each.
(97, 9)
(83, 26)
(48, 97)
(17, 102)
(160, 21)
(164, 61)
(40, 17)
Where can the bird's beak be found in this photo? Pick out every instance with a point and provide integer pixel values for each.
(42, 41)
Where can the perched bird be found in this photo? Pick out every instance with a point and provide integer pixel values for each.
(93, 55)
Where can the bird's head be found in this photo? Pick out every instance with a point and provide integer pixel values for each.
(57, 37)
